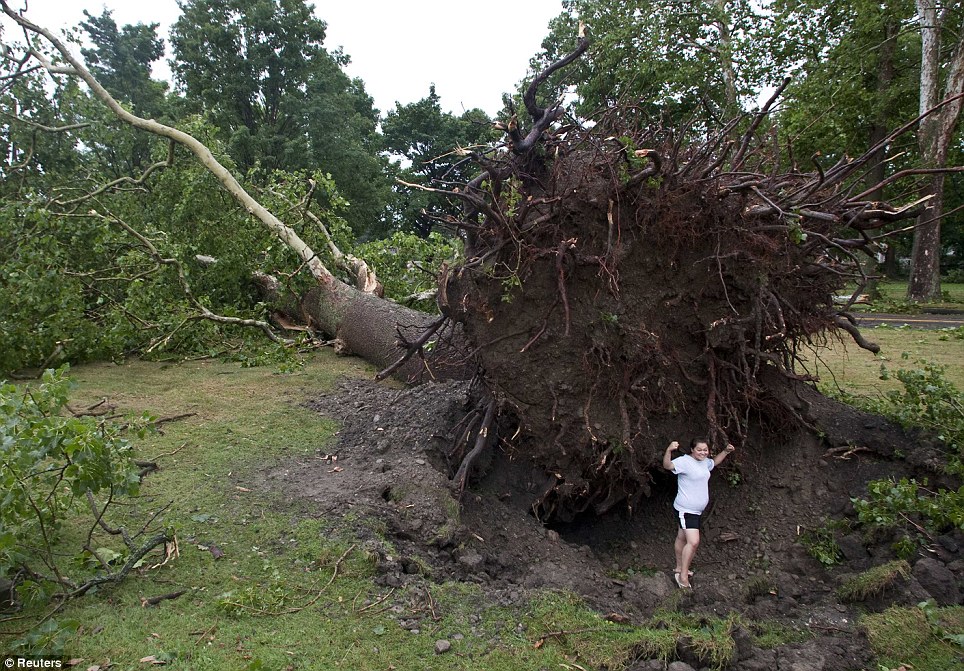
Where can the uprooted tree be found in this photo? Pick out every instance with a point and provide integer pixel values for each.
(623, 285)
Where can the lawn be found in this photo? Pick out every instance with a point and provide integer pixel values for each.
(268, 586)
(845, 365)
(893, 298)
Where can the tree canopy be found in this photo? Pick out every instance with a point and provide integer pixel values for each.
(280, 100)
(435, 146)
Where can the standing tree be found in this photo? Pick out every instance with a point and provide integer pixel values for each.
(435, 145)
(667, 59)
(280, 98)
(121, 59)
(942, 30)
(248, 62)
(855, 78)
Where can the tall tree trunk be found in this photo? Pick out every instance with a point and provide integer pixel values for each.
(891, 263)
(879, 129)
(934, 138)
(725, 52)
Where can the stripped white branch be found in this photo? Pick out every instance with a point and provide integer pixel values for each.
(201, 151)
(363, 277)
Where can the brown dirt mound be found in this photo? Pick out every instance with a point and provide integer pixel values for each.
(389, 464)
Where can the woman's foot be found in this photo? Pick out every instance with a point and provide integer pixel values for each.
(680, 583)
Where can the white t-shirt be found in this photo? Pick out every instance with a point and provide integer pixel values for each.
(694, 490)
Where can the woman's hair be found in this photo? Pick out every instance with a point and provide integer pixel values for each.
(697, 441)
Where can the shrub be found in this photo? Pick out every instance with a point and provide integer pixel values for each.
(408, 264)
(928, 401)
(909, 507)
(822, 546)
(53, 465)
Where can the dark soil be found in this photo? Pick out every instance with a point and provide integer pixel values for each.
(609, 313)
(389, 464)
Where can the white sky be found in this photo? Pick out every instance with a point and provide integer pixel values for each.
(471, 51)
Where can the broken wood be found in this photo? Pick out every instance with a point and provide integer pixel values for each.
(154, 600)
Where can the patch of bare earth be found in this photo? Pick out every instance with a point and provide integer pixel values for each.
(389, 465)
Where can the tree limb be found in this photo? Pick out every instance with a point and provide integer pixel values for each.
(855, 333)
(288, 236)
(204, 311)
(363, 276)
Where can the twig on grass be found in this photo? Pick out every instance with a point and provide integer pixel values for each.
(377, 602)
(262, 612)
(204, 634)
(169, 454)
(154, 600)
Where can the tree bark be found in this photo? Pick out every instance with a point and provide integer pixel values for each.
(722, 21)
(935, 135)
(380, 332)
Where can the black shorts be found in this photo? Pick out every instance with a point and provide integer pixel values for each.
(687, 520)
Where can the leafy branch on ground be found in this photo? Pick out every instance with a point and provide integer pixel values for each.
(56, 468)
(821, 543)
(927, 401)
(909, 507)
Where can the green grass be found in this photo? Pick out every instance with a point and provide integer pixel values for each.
(769, 634)
(294, 588)
(845, 365)
(893, 296)
(874, 581)
(916, 637)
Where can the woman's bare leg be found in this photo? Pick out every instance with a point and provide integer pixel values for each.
(692, 541)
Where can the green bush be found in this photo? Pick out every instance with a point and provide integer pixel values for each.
(822, 545)
(929, 402)
(53, 466)
(407, 264)
(909, 505)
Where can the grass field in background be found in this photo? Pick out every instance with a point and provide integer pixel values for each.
(845, 365)
(893, 298)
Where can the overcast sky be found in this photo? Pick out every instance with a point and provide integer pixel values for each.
(471, 51)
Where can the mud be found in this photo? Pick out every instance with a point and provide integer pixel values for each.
(389, 465)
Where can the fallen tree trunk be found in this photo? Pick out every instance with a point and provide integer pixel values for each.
(383, 332)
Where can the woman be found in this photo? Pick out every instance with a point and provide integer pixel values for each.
(692, 496)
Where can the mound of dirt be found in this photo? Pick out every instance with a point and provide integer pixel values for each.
(389, 465)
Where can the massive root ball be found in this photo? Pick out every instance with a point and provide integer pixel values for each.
(621, 293)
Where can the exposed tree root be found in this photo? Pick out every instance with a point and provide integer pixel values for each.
(630, 290)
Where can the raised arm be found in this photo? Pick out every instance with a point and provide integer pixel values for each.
(668, 456)
(718, 459)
